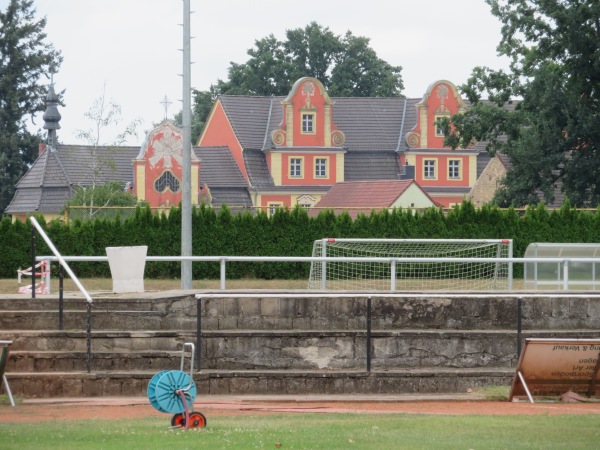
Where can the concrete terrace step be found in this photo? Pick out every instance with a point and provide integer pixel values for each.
(135, 383)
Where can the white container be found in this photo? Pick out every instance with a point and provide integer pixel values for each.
(127, 268)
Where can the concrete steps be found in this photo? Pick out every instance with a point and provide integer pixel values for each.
(279, 345)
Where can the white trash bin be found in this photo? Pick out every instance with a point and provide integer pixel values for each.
(127, 266)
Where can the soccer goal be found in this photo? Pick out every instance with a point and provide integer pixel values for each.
(411, 264)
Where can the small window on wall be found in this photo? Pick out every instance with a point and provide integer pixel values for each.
(308, 123)
(320, 167)
(454, 169)
(429, 169)
(167, 181)
(273, 207)
(295, 167)
(439, 131)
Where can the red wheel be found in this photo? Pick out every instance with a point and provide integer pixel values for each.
(178, 420)
(197, 420)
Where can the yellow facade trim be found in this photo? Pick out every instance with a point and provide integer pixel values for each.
(423, 114)
(195, 174)
(276, 168)
(327, 125)
(140, 178)
(289, 125)
(339, 168)
(472, 169)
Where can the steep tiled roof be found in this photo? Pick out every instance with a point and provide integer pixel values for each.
(372, 194)
(257, 168)
(50, 180)
(374, 124)
(115, 163)
(218, 168)
(249, 117)
(371, 166)
(234, 198)
(370, 124)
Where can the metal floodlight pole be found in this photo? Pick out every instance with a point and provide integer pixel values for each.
(186, 200)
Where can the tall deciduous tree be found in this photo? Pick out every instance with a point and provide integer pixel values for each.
(25, 57)
(346, 65)
(551, 135)
(94, 192)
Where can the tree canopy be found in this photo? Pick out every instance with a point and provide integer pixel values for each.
(542, 113)
(346, 65)
(25, 58)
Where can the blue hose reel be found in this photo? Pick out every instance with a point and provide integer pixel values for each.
(174, 391)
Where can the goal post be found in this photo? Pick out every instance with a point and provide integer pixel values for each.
(411, 264)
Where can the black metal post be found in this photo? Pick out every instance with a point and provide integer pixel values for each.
(369, 334)
(32, 261)
(519, 326)
(61, 298)
(199, 333)
(89, 337)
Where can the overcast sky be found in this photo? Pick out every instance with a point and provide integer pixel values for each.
(131, 46)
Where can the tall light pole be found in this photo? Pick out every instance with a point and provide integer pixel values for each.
(186, 199)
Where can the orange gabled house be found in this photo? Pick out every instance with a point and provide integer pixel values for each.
(293, 149)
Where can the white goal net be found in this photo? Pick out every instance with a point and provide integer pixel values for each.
(411, 264)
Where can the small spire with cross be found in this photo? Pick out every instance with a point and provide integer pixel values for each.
(165, 102)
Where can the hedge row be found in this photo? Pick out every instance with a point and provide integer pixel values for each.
(285, 233)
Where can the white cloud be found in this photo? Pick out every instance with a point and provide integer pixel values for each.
(132, 45)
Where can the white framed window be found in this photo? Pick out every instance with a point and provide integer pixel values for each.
(321, 167)
(439, 132)
(308, 123)
(273, 207)
(454, 169)
(295, 167)
(429, 169)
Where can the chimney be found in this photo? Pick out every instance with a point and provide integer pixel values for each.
(41, 148)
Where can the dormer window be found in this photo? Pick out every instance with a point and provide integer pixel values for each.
(308, 123)
(439, 131)
(167, 181)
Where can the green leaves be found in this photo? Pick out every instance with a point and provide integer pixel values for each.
(25, 58)
(550, 134)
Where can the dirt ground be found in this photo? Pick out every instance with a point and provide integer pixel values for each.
(118, 408)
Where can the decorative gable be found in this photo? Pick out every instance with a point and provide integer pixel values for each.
(307, 117)
(158, 167)
(440, 100)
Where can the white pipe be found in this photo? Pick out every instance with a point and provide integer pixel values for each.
(59, 257)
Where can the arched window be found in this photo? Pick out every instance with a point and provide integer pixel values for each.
(167, 181)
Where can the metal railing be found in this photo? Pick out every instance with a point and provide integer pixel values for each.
(64, 265)
(392, 262)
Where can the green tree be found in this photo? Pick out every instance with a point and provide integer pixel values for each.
(24, 58)
(93, 190)
(346, 65)
(551, 134)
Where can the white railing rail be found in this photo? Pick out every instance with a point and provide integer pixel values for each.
(223, 260)
(58, 257)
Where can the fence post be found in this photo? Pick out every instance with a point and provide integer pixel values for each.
(199, 332)
(61, 298)
(369, 334)
(393, 275)
(324, 265)
(88, 340)
(32, 261)
(519, 326)
(565, 275)
(222, 273)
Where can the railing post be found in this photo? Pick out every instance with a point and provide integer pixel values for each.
(223, 273)
(61, 298)
(565, 275)
(32, 261)
(88, 337)
(369, 334)
(519, 325)
(393, 275)
(324, 264)
(199, 332)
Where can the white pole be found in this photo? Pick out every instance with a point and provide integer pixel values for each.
(186, 164)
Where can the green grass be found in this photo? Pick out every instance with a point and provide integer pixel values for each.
(314, 431)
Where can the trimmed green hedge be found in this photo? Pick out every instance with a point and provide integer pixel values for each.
(286, 233)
